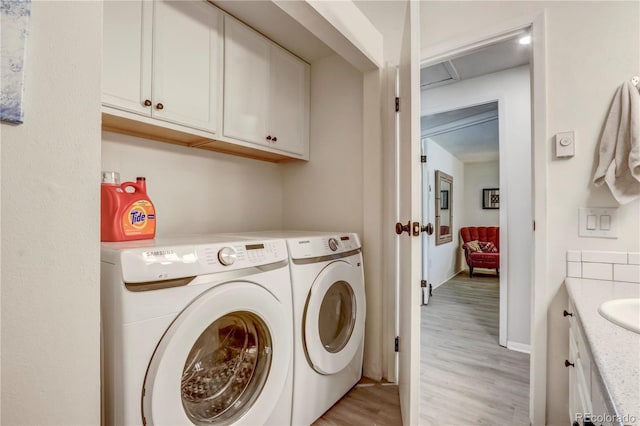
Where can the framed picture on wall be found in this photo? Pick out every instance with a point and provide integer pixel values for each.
(491, 198)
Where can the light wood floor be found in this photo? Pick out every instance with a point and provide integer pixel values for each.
(367, 404)
(466, 378)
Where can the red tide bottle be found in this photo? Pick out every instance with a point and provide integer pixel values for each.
(127, 213)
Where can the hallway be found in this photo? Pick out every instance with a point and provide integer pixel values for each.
(466, 377)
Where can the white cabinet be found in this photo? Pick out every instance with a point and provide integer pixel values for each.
(162, 59)
(266, 92)
(586, 394)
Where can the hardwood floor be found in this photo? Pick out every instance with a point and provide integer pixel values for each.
(368, 403)
(466, 378)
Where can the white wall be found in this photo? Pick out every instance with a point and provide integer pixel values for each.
(446, 260)
(478, 176)
(512, 90)
(326, 192)
(197, 191)
(50, 231)
(592, 47)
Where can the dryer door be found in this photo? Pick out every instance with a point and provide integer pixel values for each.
(334, 317)
(223, 360)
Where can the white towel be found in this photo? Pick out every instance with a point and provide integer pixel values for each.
(619, 163)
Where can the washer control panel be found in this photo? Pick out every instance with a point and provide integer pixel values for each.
(318, 246)
(180, 261)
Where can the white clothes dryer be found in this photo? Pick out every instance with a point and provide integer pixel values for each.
(329, 315)
(196, 331)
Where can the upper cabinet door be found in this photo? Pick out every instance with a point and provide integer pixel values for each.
(246, 83)
(187, 63)
(126, 74)
(288, 106)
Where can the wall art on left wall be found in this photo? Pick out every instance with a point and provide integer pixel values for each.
(14, 18)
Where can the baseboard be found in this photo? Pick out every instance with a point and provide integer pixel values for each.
(434, 286)
(519, 347)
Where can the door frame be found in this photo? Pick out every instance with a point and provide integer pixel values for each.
(540, 148)
(504, 191)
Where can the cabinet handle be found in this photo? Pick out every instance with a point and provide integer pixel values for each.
(147, 102)
(567, 314)
(274, 139)
(159, 106)
(568, 364)
(269, 137)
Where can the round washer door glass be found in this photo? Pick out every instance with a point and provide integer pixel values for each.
(226, 369)
(334, 317)
(337, 316)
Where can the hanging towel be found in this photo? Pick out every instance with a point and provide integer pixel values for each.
(619, 161)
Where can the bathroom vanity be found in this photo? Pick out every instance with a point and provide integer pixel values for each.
(604, 358)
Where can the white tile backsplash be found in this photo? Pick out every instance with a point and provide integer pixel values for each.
(597, 271)
(604, 265)
(574, 256)
(574, 269)
(630, 273)
(604, 256)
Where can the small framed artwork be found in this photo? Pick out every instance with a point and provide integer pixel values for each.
(491, 198)
(444, 199)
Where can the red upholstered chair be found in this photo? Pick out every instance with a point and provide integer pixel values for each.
(480, 259)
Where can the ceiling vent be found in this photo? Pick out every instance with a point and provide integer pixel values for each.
(438, 75)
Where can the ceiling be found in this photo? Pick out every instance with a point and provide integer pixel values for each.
(267, 18)
(470, 134)
(497, 57)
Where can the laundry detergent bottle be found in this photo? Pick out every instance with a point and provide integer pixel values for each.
(127, 213)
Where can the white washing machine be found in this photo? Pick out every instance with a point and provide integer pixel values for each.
(329, 316)
(197, 331)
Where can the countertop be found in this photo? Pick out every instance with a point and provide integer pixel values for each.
(615, 350)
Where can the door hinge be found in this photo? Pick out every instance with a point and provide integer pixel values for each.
(397, 104)
(534, 225)
(423, 158)
(397, 344)
(423, 283)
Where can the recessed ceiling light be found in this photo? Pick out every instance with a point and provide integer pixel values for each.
(525, 40)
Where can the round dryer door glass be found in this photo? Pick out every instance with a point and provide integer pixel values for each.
(337, 316)
(226, 369)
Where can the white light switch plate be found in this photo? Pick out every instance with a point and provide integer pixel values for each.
(598, 222)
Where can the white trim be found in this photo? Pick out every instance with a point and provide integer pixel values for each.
(537, 23)
(518, 347)
(451, 277)
(504, 226)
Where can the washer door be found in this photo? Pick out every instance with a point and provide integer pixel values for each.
(334, 318)
(223, 360)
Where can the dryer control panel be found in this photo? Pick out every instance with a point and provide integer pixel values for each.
(180, 261)
(318, 246)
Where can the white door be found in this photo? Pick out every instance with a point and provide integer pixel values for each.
(334, 321)
(187, 63)
(409, 210)
(223, 360)
(288, 118)
(427, 205)
(246, 83)
(126, 52)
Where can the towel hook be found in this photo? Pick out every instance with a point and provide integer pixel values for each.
(635, 80)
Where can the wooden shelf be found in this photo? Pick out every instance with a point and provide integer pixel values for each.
(131, 127)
